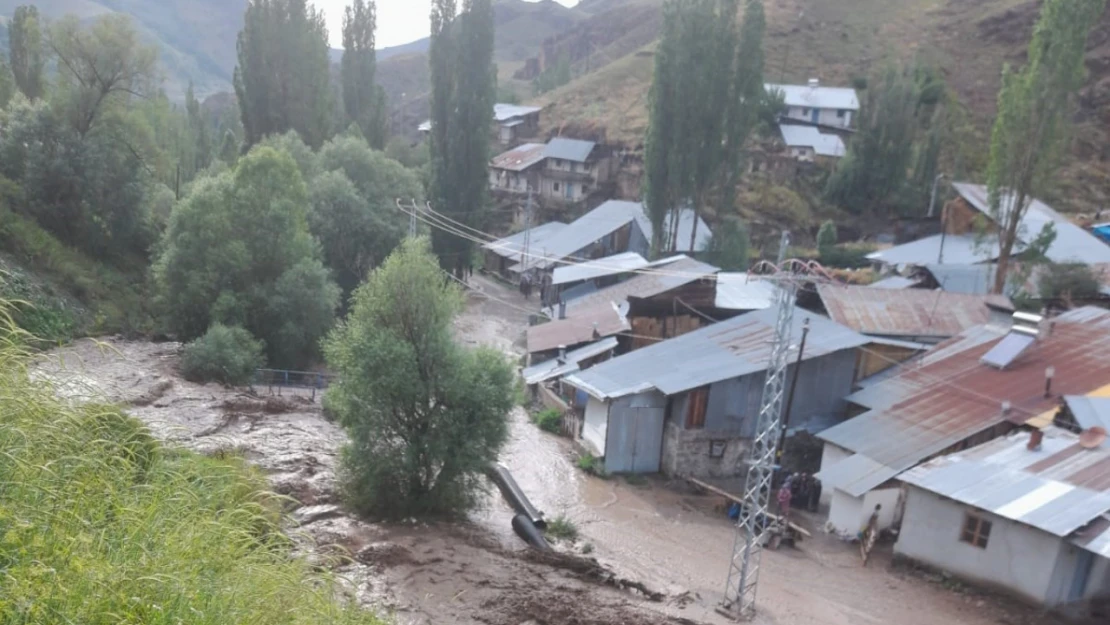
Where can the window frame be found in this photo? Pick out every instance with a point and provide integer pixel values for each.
(976, 530)
(697, 405)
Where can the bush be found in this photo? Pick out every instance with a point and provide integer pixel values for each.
(562, 528)
(1071, 281)
(228, 355)
(549, 420)
(592, 465)
(137, 533)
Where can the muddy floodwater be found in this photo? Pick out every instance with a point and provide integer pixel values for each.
(648, 552)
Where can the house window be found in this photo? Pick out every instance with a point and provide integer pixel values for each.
(841, 113)
(805, 112)
(556, 187)
(977, 530)
(696, 403)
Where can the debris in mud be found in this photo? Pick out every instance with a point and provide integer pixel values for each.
(267, 405)
(385, 555)
(153, 394)
(590, 569)
(311, 514)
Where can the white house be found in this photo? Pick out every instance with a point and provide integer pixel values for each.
(825, 106)
(1028, 514)
(807, 143)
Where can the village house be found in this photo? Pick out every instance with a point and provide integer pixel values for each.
(961, 243)
(517, 171)
(688, 405)
(1028, 513)
(833, 107)
(573, 169)
(977, 386)
(511, 124)
(504, 253)
(808, 144)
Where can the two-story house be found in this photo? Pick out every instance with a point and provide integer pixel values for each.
(573, 170)
(834, 107)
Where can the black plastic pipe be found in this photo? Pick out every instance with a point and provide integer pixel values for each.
(527, 530)
(515, 496)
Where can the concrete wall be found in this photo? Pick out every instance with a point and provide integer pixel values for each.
(830, 455)
(635, 435)
(1018, 558)
(848, 514)
(596, 426)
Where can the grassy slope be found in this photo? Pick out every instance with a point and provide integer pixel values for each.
(100, 524)
(969, 40)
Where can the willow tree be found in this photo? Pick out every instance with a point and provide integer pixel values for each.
(1034, 112)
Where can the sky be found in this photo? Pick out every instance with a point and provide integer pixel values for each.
(399, 21)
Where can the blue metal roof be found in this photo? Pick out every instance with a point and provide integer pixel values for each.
(569, 149)
(513, 245)
(722, 351)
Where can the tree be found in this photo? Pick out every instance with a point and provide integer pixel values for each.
(360, 94)
(100, 66)
(463, 86)
(425, 416)
(7, 82)
(27, 52)
(282, 80)
(223, 354)
(199, 131)
(1069, 282)
(1034, 110)
(238, 252)
(827, 238)
(728, 247)
(872, 176)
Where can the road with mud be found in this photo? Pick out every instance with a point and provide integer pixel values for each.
(649, 535)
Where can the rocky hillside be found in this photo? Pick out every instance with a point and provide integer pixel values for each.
(969, 40)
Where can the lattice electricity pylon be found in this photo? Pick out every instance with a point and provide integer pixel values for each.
(743, 573)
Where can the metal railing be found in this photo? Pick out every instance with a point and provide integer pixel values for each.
(278, 379)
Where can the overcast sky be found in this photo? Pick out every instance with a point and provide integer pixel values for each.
(399, 21)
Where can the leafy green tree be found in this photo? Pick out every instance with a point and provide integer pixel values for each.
(238, 251)
(728, 247)
(199, 131)
(463, 86)
(357, 68)
(100, 67)
(425, 416)
(27, 52)
(827, 238)
(872, 176)
(292, 144)
(1034, 112)
(378, 178)
(7, 82)
(282, 80)
(553, 77)
(1068, 281)
(228, 355)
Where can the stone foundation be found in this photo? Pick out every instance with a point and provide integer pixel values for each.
(688, 453)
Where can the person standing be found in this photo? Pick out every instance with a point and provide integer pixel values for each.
(870, 535)
(784, 497)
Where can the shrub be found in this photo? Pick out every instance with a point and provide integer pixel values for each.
(549, 420)
(562, 528)
(228, 355)
(1075, 281)
(592, 465)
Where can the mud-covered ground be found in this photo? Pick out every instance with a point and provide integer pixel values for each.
(644, 536)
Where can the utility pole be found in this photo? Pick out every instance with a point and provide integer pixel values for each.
(743, 574)
(932, 211)
(793, 387)
(527, 231)
(412, 216)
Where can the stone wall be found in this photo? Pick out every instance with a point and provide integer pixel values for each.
(687, 453)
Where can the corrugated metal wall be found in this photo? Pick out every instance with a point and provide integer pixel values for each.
(634, 440)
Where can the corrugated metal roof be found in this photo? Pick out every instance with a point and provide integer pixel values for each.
(569, 149)
(894, 282)
(603, 221)
(823, 144)
(726, 350)
(513, 245)
(910, 312)
(958, 250)
(1090, 411)
(1059, 489)
(589, 325)
(519, 158)
(649, 283)
(608, 266)
(504, 112)
(1072, 244)
(817, 97)
(556, 367)
(743, 291)
(970, 279)
(947, 395)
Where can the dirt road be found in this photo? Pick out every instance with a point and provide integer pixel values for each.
(670, 541)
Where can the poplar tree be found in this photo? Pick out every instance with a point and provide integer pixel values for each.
(463, 87)
(363, 100)
(282, 80)
(1034, 110)
(26, 51)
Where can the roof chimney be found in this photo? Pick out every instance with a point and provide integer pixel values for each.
(814, 83)
(1035, 438)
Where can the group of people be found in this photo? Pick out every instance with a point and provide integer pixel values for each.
(800, 490)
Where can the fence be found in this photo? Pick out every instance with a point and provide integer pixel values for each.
(281, 379)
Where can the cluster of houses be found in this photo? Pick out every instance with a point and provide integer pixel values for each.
(980, 431)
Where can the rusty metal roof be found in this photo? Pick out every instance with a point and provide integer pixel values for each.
(948, 395)
(1060, 488)
(588, 325)
(909, 312)
(519, 158)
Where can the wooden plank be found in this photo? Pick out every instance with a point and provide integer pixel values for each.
(727, 495)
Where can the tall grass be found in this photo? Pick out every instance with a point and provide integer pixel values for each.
(99, 523)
